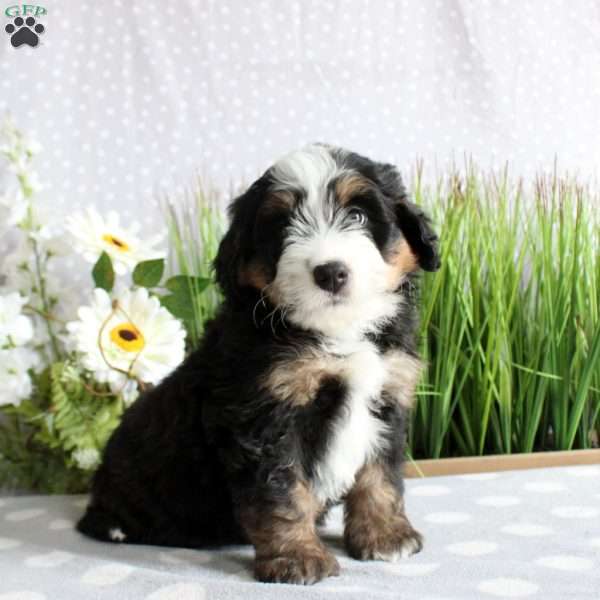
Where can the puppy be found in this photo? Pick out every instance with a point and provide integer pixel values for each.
(297, 397)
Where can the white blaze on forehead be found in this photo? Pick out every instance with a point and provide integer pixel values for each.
(308, 169)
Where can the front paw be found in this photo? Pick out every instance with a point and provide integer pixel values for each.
(302, 569)
(391, 545)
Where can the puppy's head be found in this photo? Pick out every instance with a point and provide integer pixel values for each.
(328, 236)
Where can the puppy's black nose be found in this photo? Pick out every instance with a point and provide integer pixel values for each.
(331, 276)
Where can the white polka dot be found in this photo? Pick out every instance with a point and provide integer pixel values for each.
(544, 487)
(508, 587)
(443, 518)
(565, 563)
(407, 569)
(576, 512)
(7, 543)
(22, 595)
(428, 490)
(527, 530)
(189, 591)
(49, 560)
(473, 548)
(108, 574)
(588, 471)
(25, 515)
(498, 501)
(184, 555)
(59, 524)
(479, 476)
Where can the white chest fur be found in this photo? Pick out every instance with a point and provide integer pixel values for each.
(357, 434)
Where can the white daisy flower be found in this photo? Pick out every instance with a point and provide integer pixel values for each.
(16, 329)
(132, 334)
(94, 235)
(14, 374)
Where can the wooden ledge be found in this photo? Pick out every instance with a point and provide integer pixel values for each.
(503, 462)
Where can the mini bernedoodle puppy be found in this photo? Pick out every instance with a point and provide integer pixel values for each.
(297, 398)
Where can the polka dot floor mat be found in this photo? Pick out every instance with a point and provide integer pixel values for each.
(522, 534)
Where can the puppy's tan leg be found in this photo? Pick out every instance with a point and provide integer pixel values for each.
(288, 549)
(376, 526)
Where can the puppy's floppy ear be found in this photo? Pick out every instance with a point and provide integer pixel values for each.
(228, 257)
(411, 219)
(236, 246)
(416, 228)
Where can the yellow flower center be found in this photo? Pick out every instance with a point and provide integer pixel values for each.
(128, 337)
(116, 242)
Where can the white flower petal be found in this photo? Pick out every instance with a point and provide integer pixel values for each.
(90, 230)
(15, 364)
(16, 329)
(163, 338)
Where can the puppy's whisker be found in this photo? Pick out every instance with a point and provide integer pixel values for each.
(278, 307)
(260, 300)
(270, 316)
(281, 316)
(272, 323)
(284, 312)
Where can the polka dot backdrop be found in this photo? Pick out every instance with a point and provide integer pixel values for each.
(129, 98)
(523, 534)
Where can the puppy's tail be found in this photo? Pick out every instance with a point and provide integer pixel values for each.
(101, 525)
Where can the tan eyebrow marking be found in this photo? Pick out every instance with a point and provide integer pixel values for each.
(278, 200)
(348, 186)
(254, 274)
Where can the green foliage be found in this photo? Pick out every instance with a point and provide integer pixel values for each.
(79, 417)
(196, 226)
(103, 273)
(39, 437)
(26, 465)
(181, 285)
(149, 273)
(185, 299)
(511, 322)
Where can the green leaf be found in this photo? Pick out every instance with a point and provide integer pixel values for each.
(179, 305)
(182, 302)
(103, 273)
(149, 272)
(186, 284)
(81, 419)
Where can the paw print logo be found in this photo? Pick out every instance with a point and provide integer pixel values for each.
(24, 32)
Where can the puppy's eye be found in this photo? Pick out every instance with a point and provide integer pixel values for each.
(356, 216)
